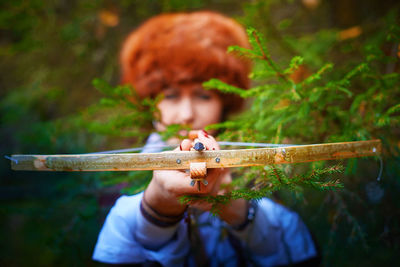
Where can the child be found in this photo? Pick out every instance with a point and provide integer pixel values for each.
(172, 55)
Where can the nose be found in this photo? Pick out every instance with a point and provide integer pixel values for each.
(186, 110)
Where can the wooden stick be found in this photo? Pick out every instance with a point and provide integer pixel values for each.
(182, 160)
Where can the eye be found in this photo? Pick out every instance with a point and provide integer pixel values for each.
(204, 96)
(171, 94)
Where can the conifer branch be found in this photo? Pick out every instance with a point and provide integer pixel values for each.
(265, 56)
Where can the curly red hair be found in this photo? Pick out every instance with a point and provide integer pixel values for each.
(170, 49)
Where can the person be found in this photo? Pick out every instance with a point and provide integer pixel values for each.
(172, 54)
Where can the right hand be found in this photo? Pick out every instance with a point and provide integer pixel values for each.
(167, 186)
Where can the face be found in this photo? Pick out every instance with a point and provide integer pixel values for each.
(191, 105)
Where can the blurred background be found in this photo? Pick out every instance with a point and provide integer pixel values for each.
(52, 50)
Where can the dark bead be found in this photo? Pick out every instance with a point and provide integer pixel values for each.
(199, 146)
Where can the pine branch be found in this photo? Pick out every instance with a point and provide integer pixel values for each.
(259, 41)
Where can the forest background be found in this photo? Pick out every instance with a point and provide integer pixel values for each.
(342, 59)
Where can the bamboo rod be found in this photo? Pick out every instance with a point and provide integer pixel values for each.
(182, 160)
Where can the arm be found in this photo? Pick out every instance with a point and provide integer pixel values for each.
(123, 240)
(277, 236)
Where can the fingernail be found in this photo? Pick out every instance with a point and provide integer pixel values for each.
(180, 147)
(205, 133)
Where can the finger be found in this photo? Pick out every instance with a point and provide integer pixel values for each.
(208, 141)
(193, 134)
(185, 145)
(210, 185)
(215, 177)
(173, 181)
(201, 205)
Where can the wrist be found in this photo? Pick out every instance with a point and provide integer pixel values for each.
(250, 216)
(156, 217)
(162, 202)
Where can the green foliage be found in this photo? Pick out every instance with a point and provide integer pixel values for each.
(263, 181)
(115, 112)
(281, 103)
(356, 99)
(258, 182)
